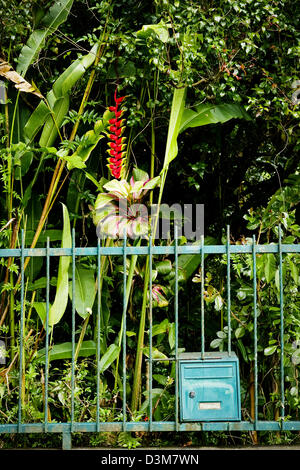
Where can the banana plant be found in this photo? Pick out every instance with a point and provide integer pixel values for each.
(50, 114)
(48, 117)
(181, 118)
(50, 21)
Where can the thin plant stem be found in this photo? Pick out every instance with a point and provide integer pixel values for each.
(132, 266)
(11, 318)
(82, 333)
(140, 345)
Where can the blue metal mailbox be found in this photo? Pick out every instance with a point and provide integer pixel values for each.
(209, 387)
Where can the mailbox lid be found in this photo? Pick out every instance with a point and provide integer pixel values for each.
(210, 389)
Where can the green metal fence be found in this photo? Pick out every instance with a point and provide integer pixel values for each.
(126, 251)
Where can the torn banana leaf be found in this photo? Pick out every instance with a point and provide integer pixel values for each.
(21, 84)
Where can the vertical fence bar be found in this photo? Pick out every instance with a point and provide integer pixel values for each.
(98, 332)
(47, 331)
(228, 290)
(255, 332)
(281, 324)
(176, 331)
(202, 298)
(150, 333)
(124, 327)
(73, 330)
(21, 372)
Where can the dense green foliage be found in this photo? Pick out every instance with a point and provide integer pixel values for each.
(240, 57)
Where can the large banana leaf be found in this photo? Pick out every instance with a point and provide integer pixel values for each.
(57, 309)
(51, 116)
(174, 125)
(56, 15)
(36, 120)
(88, 348)
(211, 114)
(73, 73)
(54, 121)
(85, 290)
(181, 119)
(64, 351)
(58, 98)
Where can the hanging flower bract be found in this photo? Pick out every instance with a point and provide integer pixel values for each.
(116, 146)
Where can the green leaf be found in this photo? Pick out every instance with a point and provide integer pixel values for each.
(239, 332)
(56, 15)
(243, 292)
(218, 303)
(160, 328)
(221, 334)
(174, 125)
(103, 199)
(61, 298)
(171, 336)
(294, 272)
(296, 357)
(58, 308)
(136, 188)
(118, 188)
(52, 116)
(24, 161)
(243, 350)
(139, 175)
(85, 290)
(126, 68)
(53, 234)
(152, 183)
(40, 308)
(163, 267)
(160, 29)
(89, 142)
(54, 121)
(130, 333)
(109, 357)
(270, 350)
(294, 391)
(216, 343)
(41, 283)
(36, 120)
(64, 351)
(211, 114)
(188, 264)
(73, 73)
(161, 379)
(156, 394)
(269, 266)
(156, 354)
(74, 161)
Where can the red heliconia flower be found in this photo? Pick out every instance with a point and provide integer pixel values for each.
(117, 145)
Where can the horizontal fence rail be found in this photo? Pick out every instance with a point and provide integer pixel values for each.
(284, 423)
